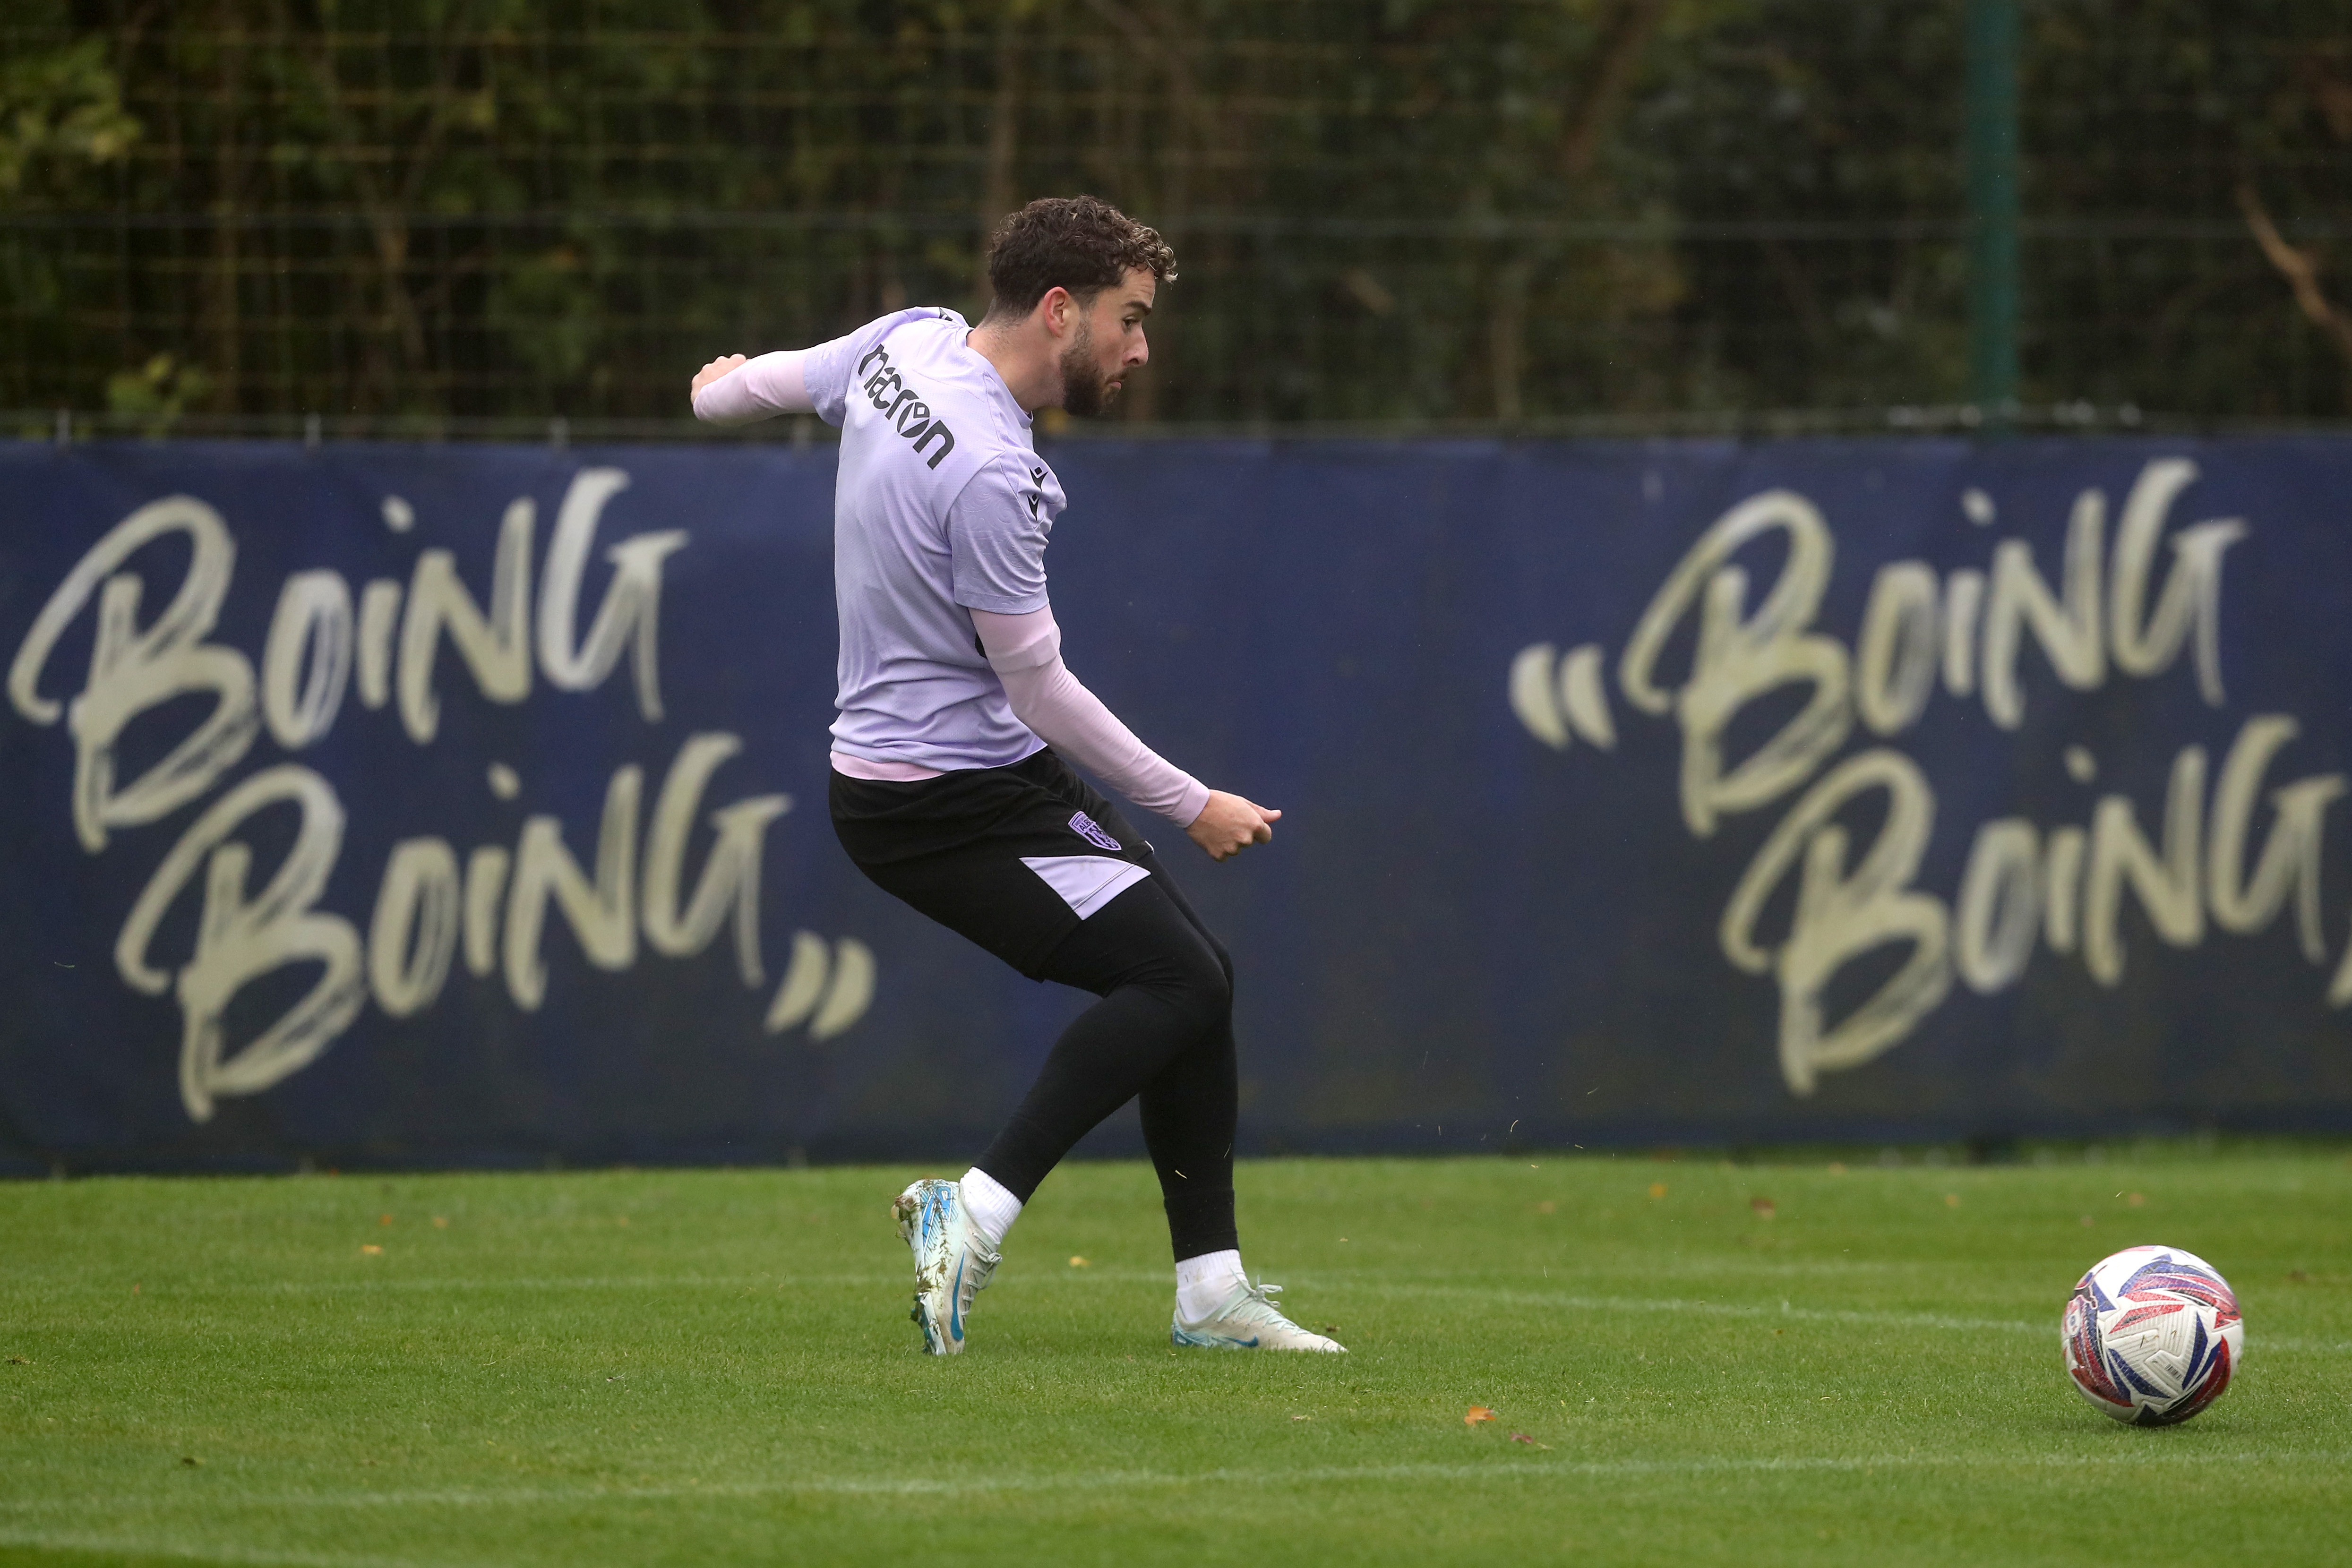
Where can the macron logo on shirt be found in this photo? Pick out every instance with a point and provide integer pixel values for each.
(898, 402)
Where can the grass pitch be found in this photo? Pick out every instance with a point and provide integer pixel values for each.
(1687, 1362)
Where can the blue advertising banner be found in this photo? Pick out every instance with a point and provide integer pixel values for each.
(443, 804)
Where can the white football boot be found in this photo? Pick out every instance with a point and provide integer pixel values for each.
(1248, 1320)
(953, 1264)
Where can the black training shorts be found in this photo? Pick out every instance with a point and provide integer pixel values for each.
(1014, 858)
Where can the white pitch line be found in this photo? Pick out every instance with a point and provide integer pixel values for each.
(1099, 1480)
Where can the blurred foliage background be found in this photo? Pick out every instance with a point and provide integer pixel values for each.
(1645, 213)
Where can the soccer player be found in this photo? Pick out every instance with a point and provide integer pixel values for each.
(950, 787)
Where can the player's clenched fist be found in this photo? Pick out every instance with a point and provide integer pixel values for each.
(715, 369)
(1229, 825)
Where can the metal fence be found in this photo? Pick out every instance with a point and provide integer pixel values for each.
(444, 215)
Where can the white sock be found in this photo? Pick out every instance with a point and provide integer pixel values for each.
(991, 1208)
(1202, 1283)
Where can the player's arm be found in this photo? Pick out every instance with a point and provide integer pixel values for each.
(732, 390)
(1025, 652)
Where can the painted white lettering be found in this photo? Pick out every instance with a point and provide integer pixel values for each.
(829, 988)
(1963, 607)
(602, 914)
(2062, 889)
(1740, 658)
(2191, 597)
(2170, 887)
(1842, 913)
(2145, 647)
(379, 620)
(1533, 697)
(132, 670)
(486, 881)
(307, 661)
(239, 939)
(1584, 696)
(414, 932)
(803, 986)
(2290, 858)
(1999, 909)
(1895, 660)
(496, 646)
(2073, 635)
(730, 876)
(630, 615)
(851, 992)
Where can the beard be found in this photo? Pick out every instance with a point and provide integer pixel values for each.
(1086, 390)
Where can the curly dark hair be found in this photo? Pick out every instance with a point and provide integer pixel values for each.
(1082, 243)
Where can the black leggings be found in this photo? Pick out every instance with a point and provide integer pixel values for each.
(1163, 1032)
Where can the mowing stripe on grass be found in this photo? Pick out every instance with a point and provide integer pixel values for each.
(2255, 1341)
(130, 1546)
(1381, 1283)
(1500, 1467)
(1713, 1309)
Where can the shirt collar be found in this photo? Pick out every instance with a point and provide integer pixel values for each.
(963, 341)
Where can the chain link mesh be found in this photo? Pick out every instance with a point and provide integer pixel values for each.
(1626, 212)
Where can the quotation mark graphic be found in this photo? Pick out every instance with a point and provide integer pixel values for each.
(1557, 699)
(827, 986)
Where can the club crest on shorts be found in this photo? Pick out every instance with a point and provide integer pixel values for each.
(1087, 828)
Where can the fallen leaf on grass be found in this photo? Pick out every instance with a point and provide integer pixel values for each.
(440, 1222)
(1764, 1207)
(1951, 1200)
(2136, 1199)
(1078, 1262)
(1657, 1189)
(384, 1219)
(1477, 1413)
(370, 1250)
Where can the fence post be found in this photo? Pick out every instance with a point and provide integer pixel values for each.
(1992, 196)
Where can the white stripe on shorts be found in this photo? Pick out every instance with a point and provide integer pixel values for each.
(1085, 883)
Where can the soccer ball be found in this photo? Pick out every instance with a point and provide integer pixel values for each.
(2152, 1335)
